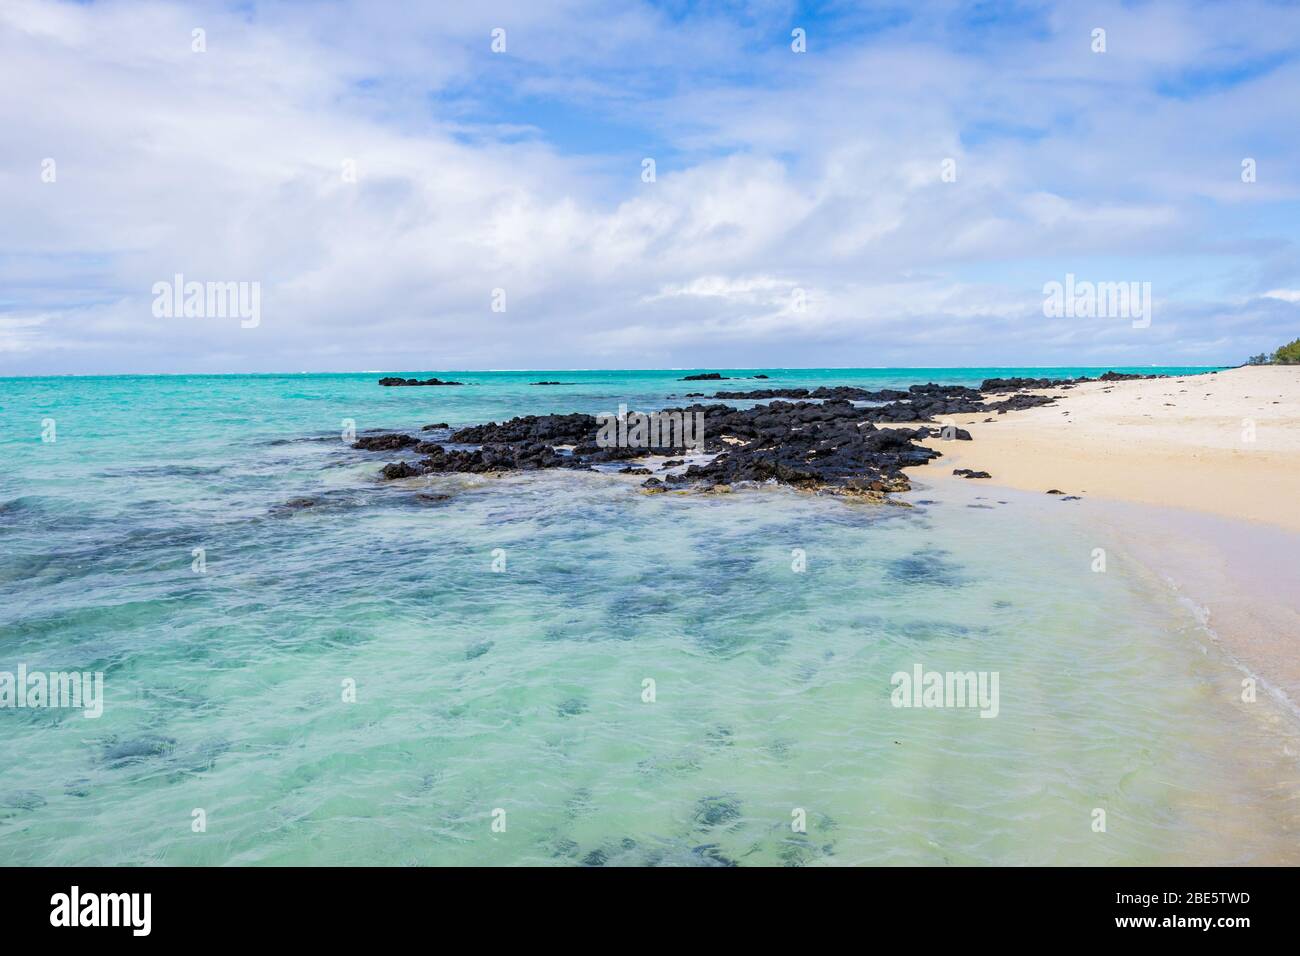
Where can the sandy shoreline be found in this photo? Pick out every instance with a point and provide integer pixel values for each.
(1198, 475)
(1226, 443)
(1241, 579)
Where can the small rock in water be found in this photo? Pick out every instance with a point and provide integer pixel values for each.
(968, 473)
(389, 442)
(399, 469)
(415, 381)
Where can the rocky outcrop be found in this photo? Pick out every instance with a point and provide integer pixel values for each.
(826, 439)
(388, 442)
(1016, 384)
(391, 381)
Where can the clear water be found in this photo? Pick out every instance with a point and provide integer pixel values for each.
(522, 690)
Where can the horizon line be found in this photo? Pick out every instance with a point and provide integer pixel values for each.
(711, 368)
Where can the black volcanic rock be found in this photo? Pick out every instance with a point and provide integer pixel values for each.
(556, 429)
(399, 470)
(391, 381)
(824, 439)
(1017, 384)
(705, 377)
(385, 442)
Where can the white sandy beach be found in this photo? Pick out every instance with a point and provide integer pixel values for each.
(1225, 443)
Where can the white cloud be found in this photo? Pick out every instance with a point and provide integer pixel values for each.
(819, 173)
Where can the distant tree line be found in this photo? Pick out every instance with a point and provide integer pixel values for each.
(1288, 354)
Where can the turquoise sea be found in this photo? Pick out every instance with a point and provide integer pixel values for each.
(506, 716)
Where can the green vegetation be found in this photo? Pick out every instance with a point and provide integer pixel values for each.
(1288, 354)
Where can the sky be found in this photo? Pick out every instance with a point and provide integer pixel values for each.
(402, 196)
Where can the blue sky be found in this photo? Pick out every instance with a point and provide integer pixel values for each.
(798, 215)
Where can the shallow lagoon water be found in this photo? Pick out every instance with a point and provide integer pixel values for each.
(522, 690)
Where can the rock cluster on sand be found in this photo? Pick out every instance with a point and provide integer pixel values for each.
(834, 443)
(392, 380)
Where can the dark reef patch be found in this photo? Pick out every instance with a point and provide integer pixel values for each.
(716, 811)
(927, 567)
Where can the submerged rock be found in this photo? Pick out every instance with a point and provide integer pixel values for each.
(22, 800)
(715, 811)
(711, 855)
(138, 748)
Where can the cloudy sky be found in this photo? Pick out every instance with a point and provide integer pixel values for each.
(798, 213)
